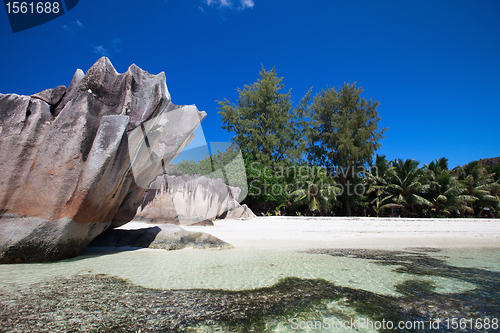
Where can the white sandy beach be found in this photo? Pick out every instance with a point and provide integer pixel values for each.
(354, 232)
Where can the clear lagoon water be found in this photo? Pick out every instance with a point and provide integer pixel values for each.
(242, 268)
(445, 281)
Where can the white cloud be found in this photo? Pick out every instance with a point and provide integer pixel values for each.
(100, 50)
(243, 4)
(246, 4)
(73, 25)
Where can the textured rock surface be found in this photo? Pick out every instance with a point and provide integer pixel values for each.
(168, 237)
(190, 199)
(239, 212)
(80, 157)
(34, 239)
(51, 96)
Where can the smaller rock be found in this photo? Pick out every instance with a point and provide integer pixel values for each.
(168, 237)
(189, 199)
(240, 212)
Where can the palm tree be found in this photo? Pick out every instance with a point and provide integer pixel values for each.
(495, 192)
(480, 185)
(380, 204)
(437, 166)
(404, 184)
(447, 195)
(318, 192)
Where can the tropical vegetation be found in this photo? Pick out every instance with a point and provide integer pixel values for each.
(317, 158)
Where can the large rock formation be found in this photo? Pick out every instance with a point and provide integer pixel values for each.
(190, 199)
(76, 161)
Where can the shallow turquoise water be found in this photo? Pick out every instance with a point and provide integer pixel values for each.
(446, 282)
(242, 268)
(485, 258)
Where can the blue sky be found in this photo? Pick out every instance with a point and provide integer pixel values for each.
(433, 65)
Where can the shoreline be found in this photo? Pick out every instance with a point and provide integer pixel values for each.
(264, 282)
(353, 232)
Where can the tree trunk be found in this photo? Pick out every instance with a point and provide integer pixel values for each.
(346, 197)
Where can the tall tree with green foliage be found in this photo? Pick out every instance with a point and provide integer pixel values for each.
(344, 133)
(264, 121)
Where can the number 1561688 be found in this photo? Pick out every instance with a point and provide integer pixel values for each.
(32, 7)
